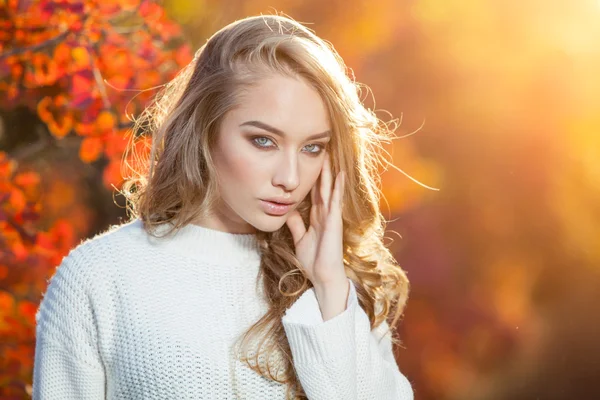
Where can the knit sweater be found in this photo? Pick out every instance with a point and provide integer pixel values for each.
(130, 316)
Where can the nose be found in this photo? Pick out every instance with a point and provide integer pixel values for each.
(287, 173)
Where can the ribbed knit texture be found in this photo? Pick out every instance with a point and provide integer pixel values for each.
(128, 316)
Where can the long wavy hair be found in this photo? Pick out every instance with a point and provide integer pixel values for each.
(174, 180)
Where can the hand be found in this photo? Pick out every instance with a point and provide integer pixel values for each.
(319, 248)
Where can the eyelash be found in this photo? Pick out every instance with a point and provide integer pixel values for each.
(312, 153)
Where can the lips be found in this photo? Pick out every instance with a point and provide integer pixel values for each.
(274, 208)
(279, 200)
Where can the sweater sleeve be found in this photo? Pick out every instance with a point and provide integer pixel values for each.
(342, 358)
(67, 364)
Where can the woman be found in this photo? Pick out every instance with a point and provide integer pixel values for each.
(254, 266)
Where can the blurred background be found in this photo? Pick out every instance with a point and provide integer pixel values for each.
(499, 104)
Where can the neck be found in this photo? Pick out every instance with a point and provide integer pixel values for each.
(223, 218)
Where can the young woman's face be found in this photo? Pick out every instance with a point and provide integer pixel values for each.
(271, 147)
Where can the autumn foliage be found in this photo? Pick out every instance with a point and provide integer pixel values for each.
(83, 67)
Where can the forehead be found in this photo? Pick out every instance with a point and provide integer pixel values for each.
(287, 103)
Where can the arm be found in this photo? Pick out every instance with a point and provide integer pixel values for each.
(67, 363)
(341, 358)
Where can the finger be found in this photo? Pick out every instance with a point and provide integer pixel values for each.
(326, 189)
(342, 190)
(314, 193)
(314, 208)
(296, 225)
(338, 190)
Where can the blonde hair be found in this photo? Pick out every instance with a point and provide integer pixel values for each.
(175, 182)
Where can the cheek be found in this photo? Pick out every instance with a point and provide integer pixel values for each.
(238, 167)
(312, 176)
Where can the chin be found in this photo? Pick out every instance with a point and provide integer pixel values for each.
(269, 223)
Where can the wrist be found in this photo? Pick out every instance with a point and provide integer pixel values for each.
(332, 286)
(332, 298)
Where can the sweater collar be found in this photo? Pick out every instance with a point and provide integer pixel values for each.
(209, 244)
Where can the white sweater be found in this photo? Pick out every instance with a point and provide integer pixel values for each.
(128, 316)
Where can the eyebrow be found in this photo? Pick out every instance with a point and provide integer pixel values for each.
(269, 128)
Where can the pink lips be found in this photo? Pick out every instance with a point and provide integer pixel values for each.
(275, 208)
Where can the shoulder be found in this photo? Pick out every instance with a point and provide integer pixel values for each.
(111, 239)
(113, 235)
(91, 257)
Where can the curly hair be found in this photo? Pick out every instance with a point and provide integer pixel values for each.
(175, 181)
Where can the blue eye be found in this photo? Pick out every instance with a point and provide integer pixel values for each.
(261, 141)
(319, 148)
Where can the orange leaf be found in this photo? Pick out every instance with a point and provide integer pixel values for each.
(84, 129)
(128, 5)
(91, 149)
(16, 71)
(62, 233)
(60, 130)
(19, 250)
(26, 179)
(119, 81)
(62, 53)
(183, 55)
(81, 57)
(44, 241)
(112, 174)
(17, 200)
(28, 309)
(82, 89)
(116, 144)
(7, 166)
(105, 121)
(117, 62)
(43, 109)
(7, 301)
(45, 72)
(149, 78)
(49, 109)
